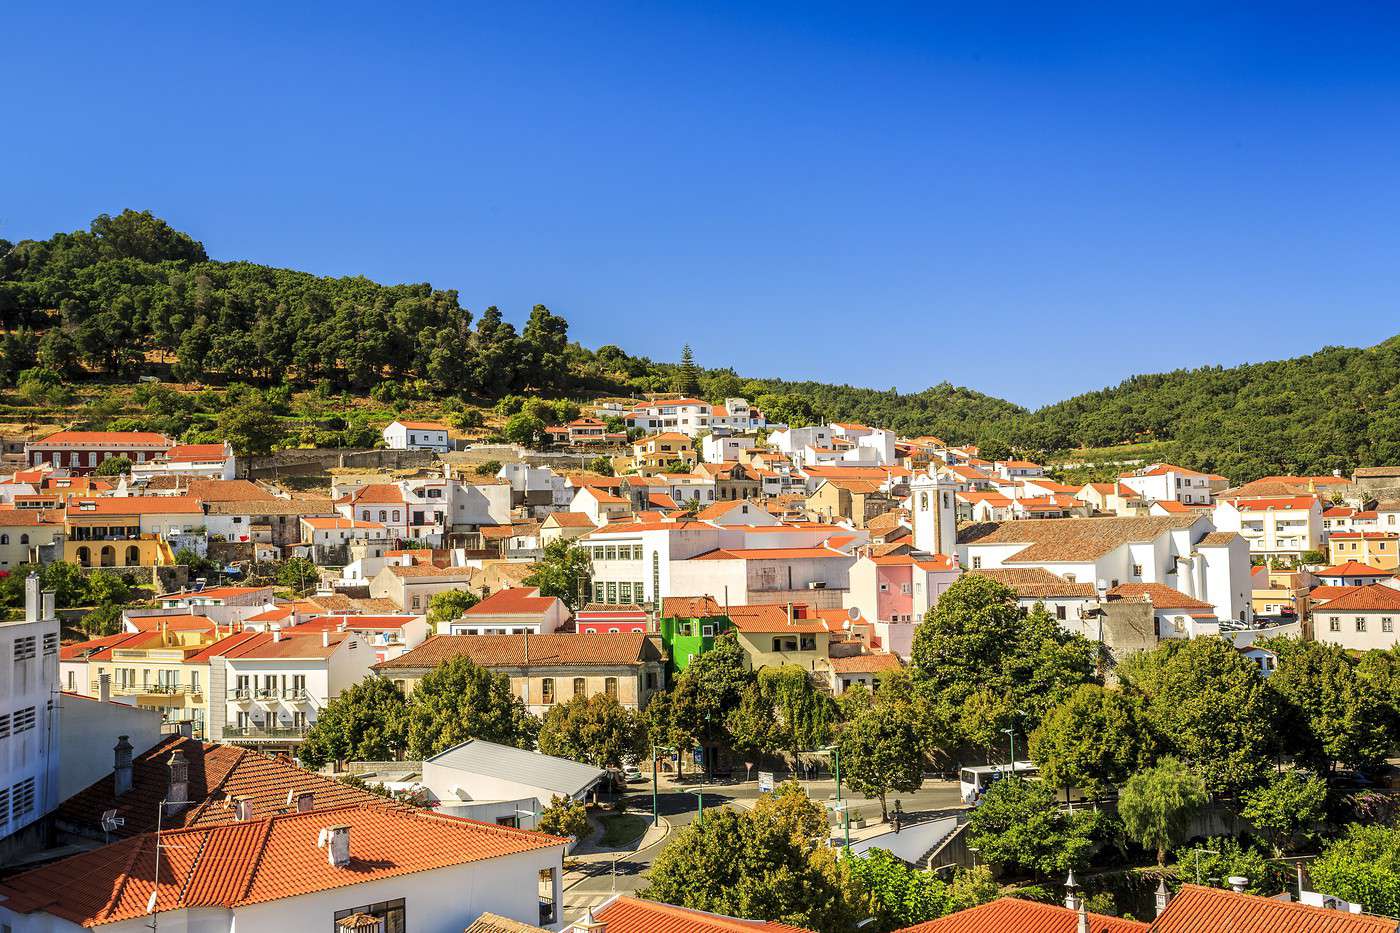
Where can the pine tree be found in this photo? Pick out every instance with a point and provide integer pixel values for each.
(688, 376)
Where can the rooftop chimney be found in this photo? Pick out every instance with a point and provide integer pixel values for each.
(121, 767)
(277, 634)
(178, 794)
(46, 600)
(243, 809)
(325, 638)
(31, 598)
(1238, 883)
(104, 686)
(1083, 917)
(336, 841)
(1164, 897)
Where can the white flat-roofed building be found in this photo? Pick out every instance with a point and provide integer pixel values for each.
(417, 435)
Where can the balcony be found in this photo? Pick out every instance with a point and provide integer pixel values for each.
(157, 689)
(296, 694)
(266, 733)
(242, 694)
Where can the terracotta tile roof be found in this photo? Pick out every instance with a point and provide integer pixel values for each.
(773, 618)
(92, 647)
(423, 425)
(871, 663)
(1162, 469)
(1353, 568)
(1218, 539)
(1159, 594)
(1278, 504)
(377, 494)
(24, 518)
(1012, 915)
(228, 490)
(886, 521)
(495, 923)
(1072, 539)
(289, 644)
(625, 914)
(217, 773)
(185, 453)
(431, 570)
(627, 648)
(1319, 593)
(338, 603)
(1375, 597)
(1171, 506)
(136, 505)
(690, 607)
(175, 622)
(770, 553)
(103, 439)
(662, 500)
(306, 506)
(256, 861)
(1037, 583)
(220, 592)
(517, 600)
(1210, 910)
(569, 520)
(603, 496)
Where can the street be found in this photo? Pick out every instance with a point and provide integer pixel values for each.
(595, 877)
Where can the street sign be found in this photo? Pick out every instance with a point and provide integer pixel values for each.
(765, 781)
(699, 756)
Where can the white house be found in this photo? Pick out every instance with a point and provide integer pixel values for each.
(600, 505)
(1361, 619)
(1282, 526)
(417, 435)
(510, 611)
(348, 869)
(745, 575)
(478, 772)
(28, 715)
(1163, 482)
(685, 415)
(207, 461)
(716, 449)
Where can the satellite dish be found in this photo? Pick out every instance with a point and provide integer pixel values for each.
(854, 613)
(151, 902)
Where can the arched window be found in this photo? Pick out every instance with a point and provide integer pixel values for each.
(4, 539)
(24, 539)
(133, 555)
(923, 500)
(84, 557)
(396, 514)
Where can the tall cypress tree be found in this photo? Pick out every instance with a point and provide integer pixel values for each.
(688, 376)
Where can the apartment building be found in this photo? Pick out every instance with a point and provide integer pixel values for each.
(29, 714)
(1280, 527)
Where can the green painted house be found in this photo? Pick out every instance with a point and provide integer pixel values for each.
(688, 626)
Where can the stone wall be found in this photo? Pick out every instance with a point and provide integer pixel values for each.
(316, 461)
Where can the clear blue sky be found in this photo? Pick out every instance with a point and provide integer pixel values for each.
(1030, 199)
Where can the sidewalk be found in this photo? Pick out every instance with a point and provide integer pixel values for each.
(591, 850)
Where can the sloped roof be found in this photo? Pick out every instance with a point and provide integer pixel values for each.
(1072, 539)
(256, 861)
(690, 607)
(1013, 915)
(477, 756)
(1353, 568)
(1036, 583)
(625, 914)
(558, 649)
(102, 439)
(1198, 909)
(1375, 597)
(516, 600)
(217, 773)
(495, 923)
(1159, 594)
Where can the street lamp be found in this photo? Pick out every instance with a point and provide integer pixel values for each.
(1011, 734)
(699, 793)
(845, 811)
(835, 751)
(974, 850)
(655, 791)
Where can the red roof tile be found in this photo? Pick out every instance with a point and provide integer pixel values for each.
(518, 600)
(625, 914)
(1210, 910)
(1012, 915)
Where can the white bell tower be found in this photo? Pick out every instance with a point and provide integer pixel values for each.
(935, 511)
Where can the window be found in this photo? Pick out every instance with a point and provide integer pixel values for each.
(72, 678)
(578, 686)
(383, 515)
(417, 601)
(976, 563)
(1060, 612)
(1361, 623)
(624, 591)
(547, 691)
(1387, 624)
(1137, 570)
(391, 912)
(708, 631)
(4, 539)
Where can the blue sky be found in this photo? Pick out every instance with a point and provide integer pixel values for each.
(1029, 199)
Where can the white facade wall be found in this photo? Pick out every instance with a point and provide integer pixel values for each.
(934, 510)
(400, 437)
(90, 729)
(1356, 630)
(29, 756)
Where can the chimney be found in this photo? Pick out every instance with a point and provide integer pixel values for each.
(336, 841)
(1083, 917)
(1164, 897)
(243, 809)
(325, 638)
(178, 794)
(1071, 891)
(121, 767)
(277, 634)
(1238, 883)
(305, 801)
(31, 598)
(47, 601)
(104, 686)
(589, 924)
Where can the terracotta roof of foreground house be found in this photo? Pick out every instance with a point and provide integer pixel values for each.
(136, 505)
(690, 607)
(1036, 583)
(1352, 568)
(516, 600)
(773, 618)
(495, 923)
(1013, 915)
(870, 663)
(185, 453)
(570, 520)
(1330, 592)
(624, 914)
(102, 438)
(566, 649)
(217, 774)
(258, 506)
(1211, 910)
(424, 425)
(1218, 539)
(1071, 539)
(1375, 597)
(256, 861)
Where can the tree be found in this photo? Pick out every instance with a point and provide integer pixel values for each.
(487, 468)
(882, 751)
(106, 619)
(563, 571)
(1362, 867)
(898, 896)
(804, 715)
(449, 605)
(1018, 825)
(69, 584)
(564, 817)
(711, 687)
(596, 730)
(1211, 708)
(1336, 715)
(249, 427)
(105, 588)
(771, 862)
(364, 723)
(298, 574)
(687, 374)
(1286, 808)
(1157, 805)
(1094, 740)
(977, 639)
(457, 701)
(602, 466)
(113, 466)
(523, 429)
(753, 725)
(1220, 858)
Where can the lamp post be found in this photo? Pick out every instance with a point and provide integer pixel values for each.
(1011, 734)
(655, 789)
(699, 793)
(835, 751)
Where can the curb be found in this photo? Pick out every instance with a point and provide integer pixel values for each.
(660, 839)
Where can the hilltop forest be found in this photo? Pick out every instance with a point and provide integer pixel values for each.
(132, 297)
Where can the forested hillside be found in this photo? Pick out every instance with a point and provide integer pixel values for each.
(131, 296)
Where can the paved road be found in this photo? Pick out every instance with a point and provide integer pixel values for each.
(595, 881)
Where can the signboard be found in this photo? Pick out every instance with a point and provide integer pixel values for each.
(765, 782)
(699, 755)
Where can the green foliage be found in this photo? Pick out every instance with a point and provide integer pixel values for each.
(700, 703)
(1018, 825)
(1211, 708)
(1094, 740)
(898, 896)
(298, 574)
(364, 723)
(602, 466)
(753, 725)
(564, 572)
(976, 639)
(1214, 861)
(487, 468)
(250, 428)
(1287, 808)
(456, 701)
(450, 604)
(882, 751)
(1362, 867)
(804, 714)
(113, 466)
(770, 862)
(1157, 805)
(596, 730)
(524, 429)
(564, 817)
(1334, 715)
(687, 374)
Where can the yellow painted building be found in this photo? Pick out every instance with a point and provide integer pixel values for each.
(660, 450)
(1379, 549)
